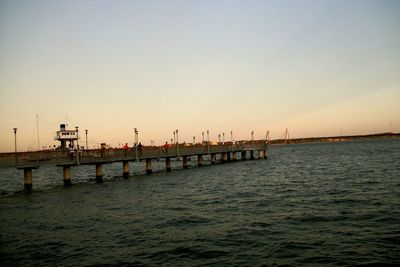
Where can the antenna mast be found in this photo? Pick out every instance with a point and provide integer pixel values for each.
(37, 127)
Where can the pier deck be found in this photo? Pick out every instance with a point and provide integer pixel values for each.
(28, 161)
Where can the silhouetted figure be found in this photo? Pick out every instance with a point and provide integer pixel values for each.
(140, 146)
(166, 146)
(126, 147)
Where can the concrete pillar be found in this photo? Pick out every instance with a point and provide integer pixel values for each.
(168, 164)
(213, 158)
(28, 179)
(148, 166)
(125, 169)
(67, 175)
(228, 156)
(234, 156)
(99, 172)
(243, 155)
(224, 157)
(261, 154)
(199, 160)
(252, 154)
(265, 154)
(185, 162)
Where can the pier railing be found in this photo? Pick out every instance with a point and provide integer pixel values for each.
(57, 157)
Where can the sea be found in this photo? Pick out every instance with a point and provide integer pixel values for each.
(322, 204)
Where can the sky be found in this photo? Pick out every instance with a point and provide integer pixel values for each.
(318, 68)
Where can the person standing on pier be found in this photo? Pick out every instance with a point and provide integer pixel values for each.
(166, 146)
(125, 147)
(140, 148)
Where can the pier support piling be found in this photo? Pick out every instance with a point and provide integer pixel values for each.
(125, 169)
(67, 175)
(99, 172)
(224, 157)
(213, 158)
(199, 160)
(28, 176)
(28, 179)
(252, 154)
(234, 156)
(185, 162)
(168, 164)
(243, 155)
(148, 166)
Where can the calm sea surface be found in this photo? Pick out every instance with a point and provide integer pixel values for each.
(306, 205)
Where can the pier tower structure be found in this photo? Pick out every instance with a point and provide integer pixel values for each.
(64, 135)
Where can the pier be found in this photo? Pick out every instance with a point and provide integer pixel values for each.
(226, 152)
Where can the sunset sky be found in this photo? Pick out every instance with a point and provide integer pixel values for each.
(318, 68)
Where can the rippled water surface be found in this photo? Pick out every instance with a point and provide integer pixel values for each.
(315, 204)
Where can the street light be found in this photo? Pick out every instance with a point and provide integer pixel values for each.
(208, 142)
(223, 138)
(15, 139)
(252, 139)
(77, 145)
(136, 136)
(177, 143)
(232, 140)
(87, 147)
(202, 133)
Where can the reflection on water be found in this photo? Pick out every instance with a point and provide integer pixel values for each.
(329, 204)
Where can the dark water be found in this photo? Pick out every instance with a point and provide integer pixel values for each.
(307, 205)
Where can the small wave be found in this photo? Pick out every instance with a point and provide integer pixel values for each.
(183, 252)
(188, 221)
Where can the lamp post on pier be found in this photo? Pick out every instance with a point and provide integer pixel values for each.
(15, 145)
(223, 138)
(136, 141)
(208, 142)
(202, 133)
(252, 140)
(177, 143)
(136, 136)
(15, 139)
(77, 145)
(87, 147)
(232, 140)
(77, 130)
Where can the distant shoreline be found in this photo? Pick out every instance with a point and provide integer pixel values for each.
(333, 138)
